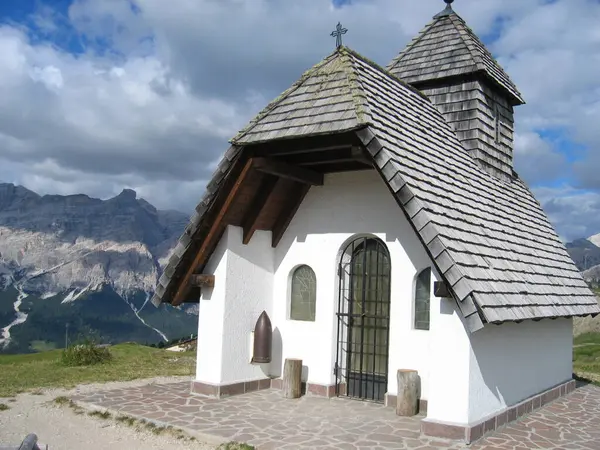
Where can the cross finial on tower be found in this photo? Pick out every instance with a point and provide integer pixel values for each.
(337, 34)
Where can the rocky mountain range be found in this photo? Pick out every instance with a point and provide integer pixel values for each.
(73, 265)
(585, 252)
(78, 264)
(586, 255)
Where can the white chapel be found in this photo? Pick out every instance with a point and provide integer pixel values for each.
(370, 220)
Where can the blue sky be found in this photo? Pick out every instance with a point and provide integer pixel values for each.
(144, 94)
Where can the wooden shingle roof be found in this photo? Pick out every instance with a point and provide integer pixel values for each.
(489, 239)
(447, 47)
(323, 101)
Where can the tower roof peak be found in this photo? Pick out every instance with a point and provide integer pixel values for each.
(447, 11)
(446, 48)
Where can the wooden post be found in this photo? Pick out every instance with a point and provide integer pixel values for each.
(407, 403)
(292, 378)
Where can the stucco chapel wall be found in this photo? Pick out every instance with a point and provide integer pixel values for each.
(210, 326)
(249, 293)
(514, 361)
(346, 206)
(255, 277)
(476, 376)
(229, 311)
(464, 377)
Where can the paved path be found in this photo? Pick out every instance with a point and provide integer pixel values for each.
(62, 429)
(268, 421)
(571, 422)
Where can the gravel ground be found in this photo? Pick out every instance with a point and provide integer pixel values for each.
(61, 429)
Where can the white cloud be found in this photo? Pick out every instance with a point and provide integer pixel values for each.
(552, 52)
(536, 160)
(574, 212)
(152, 106)
(91, 114)
(50, 76)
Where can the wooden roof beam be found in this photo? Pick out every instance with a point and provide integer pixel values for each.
(216, 227)
(305, 145)
(359, 154)
(192, 295)
(286, 151)
(261, 198)
(324, 157)
(289, 171)
(295, 200)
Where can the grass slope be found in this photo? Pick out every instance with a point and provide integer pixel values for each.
(586, 356)
(586, 325)
(20, 373)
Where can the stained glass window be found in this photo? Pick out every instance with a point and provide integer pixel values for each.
(304, 294)
(422, 299)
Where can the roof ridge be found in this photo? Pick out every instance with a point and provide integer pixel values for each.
(346, 65)
(476, 47)
(273, 103)
(429, 57)
(387, 73)
(359, 99)
(463, 31)
(446, 13)
(414, 41)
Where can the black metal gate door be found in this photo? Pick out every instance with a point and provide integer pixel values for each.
(363, 320)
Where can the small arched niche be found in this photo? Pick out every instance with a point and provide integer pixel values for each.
(422, 299)
(303, 294)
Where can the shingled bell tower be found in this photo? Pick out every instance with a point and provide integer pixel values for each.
(450, 64)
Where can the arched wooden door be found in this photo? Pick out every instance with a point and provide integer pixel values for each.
(363, 320)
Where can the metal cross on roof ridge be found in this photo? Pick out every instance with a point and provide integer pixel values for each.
(339, 31)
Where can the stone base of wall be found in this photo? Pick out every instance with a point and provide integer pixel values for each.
(227, 390)
(391, 399)
(472, 432)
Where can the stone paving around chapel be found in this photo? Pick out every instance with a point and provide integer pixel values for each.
(268, 421)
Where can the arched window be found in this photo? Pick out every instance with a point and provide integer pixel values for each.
(303, 294)
(422, 298)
